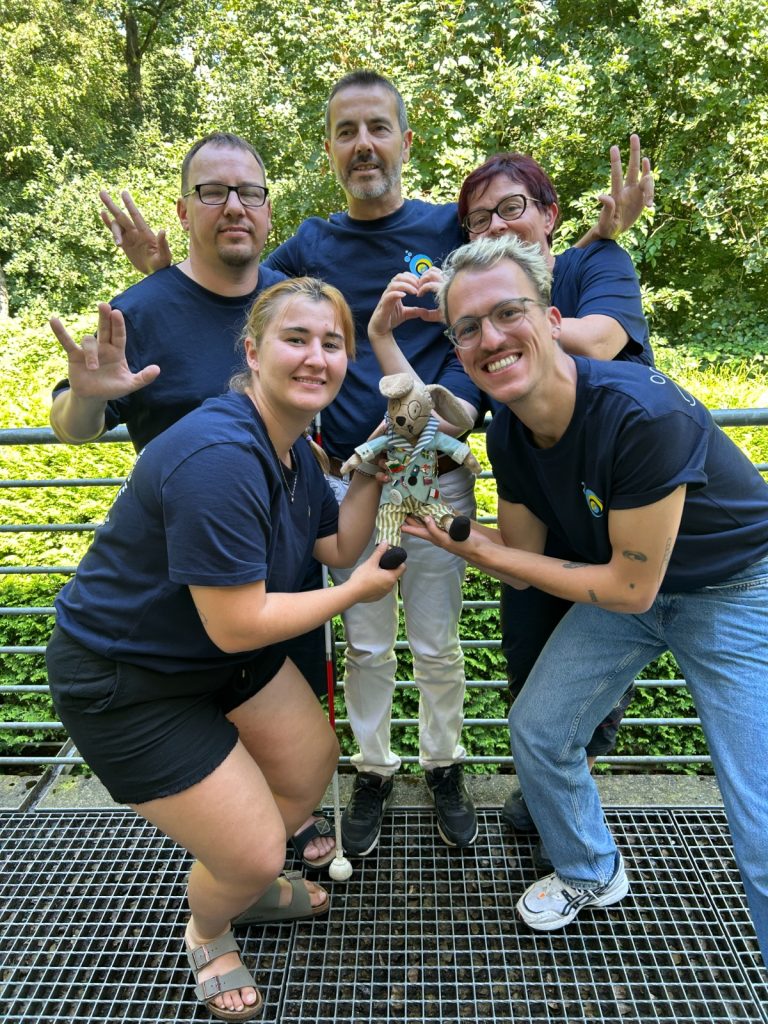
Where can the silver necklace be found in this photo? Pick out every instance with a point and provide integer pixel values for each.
(291, 489)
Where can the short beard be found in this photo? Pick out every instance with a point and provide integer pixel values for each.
(237, 258)
(390, 180)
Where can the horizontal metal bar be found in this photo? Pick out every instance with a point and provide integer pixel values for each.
(740, 417)
(50, 528)
(45, 435)
(653, 760)
(18, 726)
(496, 723)
(723, 418)
(401, 645)
(501, 723)
(26, 688)
(38, 570)
(29, 610)
(407, 759)
(97, 481)
(43, 610)
(22, 650)
(401, 684)
(29, 761)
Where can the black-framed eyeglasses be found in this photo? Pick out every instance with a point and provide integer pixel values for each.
(214, 193)
(509, 208)
(505, 316)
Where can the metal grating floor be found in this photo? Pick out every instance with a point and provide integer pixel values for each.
(92, 914)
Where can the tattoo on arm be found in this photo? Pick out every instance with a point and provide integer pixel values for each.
(575, 565)
(593, 597)
(665, 560)
(635, 556)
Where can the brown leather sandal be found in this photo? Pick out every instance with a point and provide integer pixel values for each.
(268, 909)
(206, 991)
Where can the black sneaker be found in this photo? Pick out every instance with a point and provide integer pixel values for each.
(456, 816)
(363, 815)
(516, 814)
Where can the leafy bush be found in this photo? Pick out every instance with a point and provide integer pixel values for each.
(561, 81)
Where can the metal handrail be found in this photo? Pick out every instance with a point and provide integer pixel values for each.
(65, 757)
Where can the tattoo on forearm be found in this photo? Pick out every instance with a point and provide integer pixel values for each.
(575, 565)
(593, 597)
(667, 555)
(635, 556)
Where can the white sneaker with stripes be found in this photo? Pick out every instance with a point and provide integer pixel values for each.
(551, 903)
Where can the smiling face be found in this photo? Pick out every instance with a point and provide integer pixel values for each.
(231, 235)
(366, 146)
(300, 363)
(536, 223)
(511, 364)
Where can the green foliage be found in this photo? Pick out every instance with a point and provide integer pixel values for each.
(81, 110)
(477, 77)
(24, 669)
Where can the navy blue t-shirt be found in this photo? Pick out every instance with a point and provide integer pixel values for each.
(205, 505)
(634, 437)
(360, 257)
(191, 333)
(601, 278)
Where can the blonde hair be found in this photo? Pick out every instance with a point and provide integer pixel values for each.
(485, 253)
(266, 308)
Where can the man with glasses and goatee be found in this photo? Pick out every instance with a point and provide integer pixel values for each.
(181, 322)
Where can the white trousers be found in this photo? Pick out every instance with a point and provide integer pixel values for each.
(431, 592)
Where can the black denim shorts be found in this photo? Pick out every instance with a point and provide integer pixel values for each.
(149, 734)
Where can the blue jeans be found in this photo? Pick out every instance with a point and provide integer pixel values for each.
(719, 636)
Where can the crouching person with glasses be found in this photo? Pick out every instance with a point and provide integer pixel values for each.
(668, 521)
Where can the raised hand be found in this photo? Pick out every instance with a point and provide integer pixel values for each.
(391, 311)
(629, 195)
(97, 366)
(146, 250)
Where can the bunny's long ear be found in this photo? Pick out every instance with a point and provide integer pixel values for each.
(449, 407)
(397, 385)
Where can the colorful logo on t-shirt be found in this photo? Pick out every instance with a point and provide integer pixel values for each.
(594, 503)
(417, 264)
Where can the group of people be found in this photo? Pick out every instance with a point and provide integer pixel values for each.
(188, 645)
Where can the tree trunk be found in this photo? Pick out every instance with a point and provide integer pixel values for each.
(133, 64)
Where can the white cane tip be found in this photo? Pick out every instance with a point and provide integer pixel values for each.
(340, 869)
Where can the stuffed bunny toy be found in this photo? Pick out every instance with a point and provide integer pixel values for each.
(411, 446)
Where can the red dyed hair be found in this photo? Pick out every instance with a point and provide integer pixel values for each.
(520, 169)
